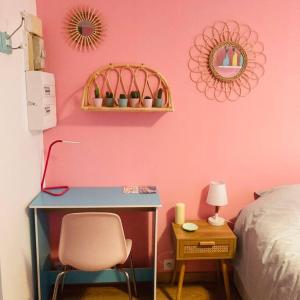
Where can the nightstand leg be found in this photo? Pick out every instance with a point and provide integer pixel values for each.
(174, 273)
(218, 273)
(219, 279)
(180, 281)
(226, 279)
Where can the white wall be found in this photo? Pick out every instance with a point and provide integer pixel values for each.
(20, 162)
(1, 297)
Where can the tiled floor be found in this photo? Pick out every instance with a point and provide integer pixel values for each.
(164, 292)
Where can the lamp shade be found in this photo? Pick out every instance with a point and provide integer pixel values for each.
(217, 194)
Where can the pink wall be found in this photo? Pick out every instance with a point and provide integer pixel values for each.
(251, 144)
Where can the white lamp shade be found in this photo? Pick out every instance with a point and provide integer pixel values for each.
(217, 194)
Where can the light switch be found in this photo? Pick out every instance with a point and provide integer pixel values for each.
(5, 43)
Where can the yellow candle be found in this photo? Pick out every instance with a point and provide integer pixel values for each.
(180, 213)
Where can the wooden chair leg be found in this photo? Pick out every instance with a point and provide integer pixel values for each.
(226, 279)
(180, 281)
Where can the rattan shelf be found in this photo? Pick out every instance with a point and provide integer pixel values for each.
(122, 79)
(127, 109)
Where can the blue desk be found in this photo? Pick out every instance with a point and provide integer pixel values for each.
(85, 199)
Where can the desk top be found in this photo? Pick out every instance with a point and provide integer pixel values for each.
(204, 231)
(95, 197)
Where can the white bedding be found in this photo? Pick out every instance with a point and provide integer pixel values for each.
(268, 257)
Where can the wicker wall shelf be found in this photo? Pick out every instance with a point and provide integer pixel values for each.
(123, 79)
(128, 109)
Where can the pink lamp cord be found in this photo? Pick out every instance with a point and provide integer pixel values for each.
(48, 189)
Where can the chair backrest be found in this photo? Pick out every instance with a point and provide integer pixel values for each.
(92, 241)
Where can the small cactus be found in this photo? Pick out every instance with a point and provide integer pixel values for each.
(159, 93)
(122, 96)
(97, 92)
(109, 95)
(147, 97)
(135, 94)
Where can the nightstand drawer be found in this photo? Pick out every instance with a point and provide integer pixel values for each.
(215, 248)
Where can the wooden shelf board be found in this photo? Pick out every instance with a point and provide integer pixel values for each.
(127, 109)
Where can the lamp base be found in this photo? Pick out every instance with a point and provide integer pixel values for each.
(216, 221)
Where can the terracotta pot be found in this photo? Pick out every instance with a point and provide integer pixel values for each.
(108, 102)
(147, 102)
(98, 102)
(134, 102)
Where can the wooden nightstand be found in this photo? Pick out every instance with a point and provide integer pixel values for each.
(208, 242)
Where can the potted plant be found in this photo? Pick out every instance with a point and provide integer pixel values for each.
(109, 99)
(134, 98)
(98, 100)
(123, 101)
(159, 102)
(147, 102)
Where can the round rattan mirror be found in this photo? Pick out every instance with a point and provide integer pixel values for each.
(84, 28)
(226, 61)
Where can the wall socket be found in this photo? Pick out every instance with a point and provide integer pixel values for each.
(169, 264)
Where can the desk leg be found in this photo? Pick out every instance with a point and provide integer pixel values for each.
(226, 279)
(180, 281)
(43, 263)
(155, 219)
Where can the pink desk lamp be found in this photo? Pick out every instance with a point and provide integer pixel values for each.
(64, 188)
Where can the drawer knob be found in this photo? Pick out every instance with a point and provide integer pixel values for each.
(207, 243)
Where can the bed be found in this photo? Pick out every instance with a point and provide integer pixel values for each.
(267, 266)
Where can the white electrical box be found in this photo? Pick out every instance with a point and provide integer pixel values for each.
(41, 100)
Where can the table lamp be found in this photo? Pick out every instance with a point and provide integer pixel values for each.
(49, 189)
(217, 196)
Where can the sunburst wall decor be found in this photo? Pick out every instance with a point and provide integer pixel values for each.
(84, 28)
(226, 61)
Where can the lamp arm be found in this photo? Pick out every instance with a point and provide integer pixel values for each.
(47, 160)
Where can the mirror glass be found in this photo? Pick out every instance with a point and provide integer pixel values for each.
(228, 61)
(85, 28)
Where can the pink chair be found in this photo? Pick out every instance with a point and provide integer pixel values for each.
(93, 241)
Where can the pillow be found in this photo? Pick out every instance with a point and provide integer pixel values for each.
(268, 191)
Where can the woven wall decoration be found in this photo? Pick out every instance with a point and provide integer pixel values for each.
(84, 28)
(226, 61)
(123, 79)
